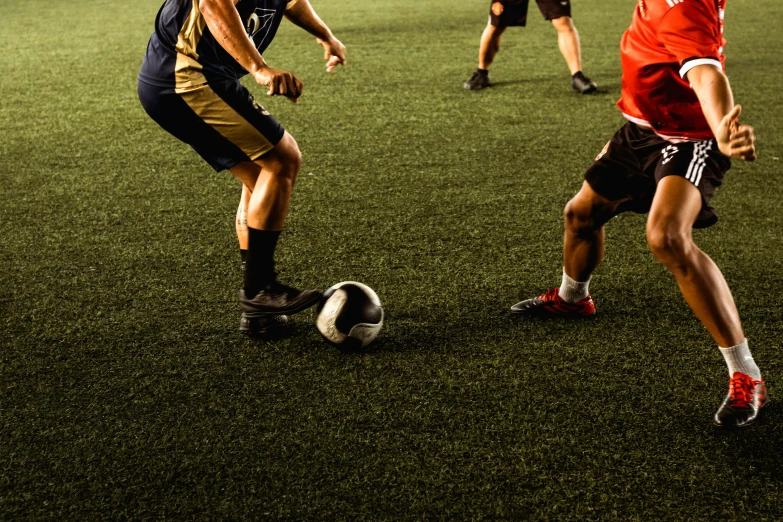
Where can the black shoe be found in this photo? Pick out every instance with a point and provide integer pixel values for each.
(582, 84)
(277, 299)
(477, 81)
(254, 326)
(742, 405)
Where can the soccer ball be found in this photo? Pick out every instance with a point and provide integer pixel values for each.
(349, 314)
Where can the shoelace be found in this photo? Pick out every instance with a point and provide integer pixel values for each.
(551, 295)
(741, 390)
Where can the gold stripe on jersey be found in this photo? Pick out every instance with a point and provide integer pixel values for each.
(290, 4)
(229, 123)
(187, 71)
(192, 87)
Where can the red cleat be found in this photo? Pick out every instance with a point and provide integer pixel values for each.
(552, 305)
(742, 405)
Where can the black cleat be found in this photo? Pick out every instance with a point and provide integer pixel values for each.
(582, 84)
(743, 403)
(255, 326)
(477, 81)
(277, 299)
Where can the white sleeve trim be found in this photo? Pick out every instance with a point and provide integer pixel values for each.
(687, 66)
(290, 4)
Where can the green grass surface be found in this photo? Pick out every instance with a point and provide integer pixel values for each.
(127, 392)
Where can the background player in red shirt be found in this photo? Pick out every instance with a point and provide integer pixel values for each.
(511, 13)
(667, 160)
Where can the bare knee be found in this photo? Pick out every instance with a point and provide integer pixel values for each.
(671, 245)
(494, 30)
(564, 24)
(291, 156)
(285, 160)
(580, 219)
(492, 35)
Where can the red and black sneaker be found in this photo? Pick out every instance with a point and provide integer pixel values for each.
(552, 304)
(742, 405)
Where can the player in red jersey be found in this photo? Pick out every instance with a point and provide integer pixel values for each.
(667, 160)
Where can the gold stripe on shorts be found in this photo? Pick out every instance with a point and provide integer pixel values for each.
(192, 86)
(229, 123)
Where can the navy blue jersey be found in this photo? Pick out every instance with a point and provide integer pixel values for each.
(182, 52)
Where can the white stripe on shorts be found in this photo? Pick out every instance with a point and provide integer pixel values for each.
(703, 162)
(698, 162)
(694, 160)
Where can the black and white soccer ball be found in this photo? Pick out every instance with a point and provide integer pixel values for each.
(349, 314)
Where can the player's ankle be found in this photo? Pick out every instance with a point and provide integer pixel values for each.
(572, 291)
(739, 359)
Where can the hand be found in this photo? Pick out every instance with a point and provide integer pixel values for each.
(736, 140)
(334, 53)
(279, 83)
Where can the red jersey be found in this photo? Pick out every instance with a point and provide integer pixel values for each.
(667, 38)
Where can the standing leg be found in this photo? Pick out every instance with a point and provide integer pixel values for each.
(675, 208)
(241, 222)
(583, 242)
(583, 250)
(241, 228)
(568, 41)
(268, 183)
(488, 48)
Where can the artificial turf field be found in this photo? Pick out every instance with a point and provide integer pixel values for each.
(127, 391)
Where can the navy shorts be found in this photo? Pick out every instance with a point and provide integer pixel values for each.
(636, 159)
(511, 13)
(220, 120)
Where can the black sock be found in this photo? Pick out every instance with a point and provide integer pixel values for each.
(243, 256)
(577, 74)
(483, 72)
(260, 267)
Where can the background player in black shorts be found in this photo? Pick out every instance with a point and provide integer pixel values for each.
(189, 84)
(510, 13)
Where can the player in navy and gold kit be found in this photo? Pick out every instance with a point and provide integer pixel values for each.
(189, 84)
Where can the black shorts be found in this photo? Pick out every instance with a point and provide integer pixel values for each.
(220, 120)
(511, 13)
(636, 159)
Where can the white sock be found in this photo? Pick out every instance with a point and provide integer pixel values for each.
(572, 291)
(738, 359)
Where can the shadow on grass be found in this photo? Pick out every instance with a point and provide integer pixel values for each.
(289, 331)
(392, 342)
(507, 83)
(392, 339)
(607, 89)
(759, 446)
(378, 346)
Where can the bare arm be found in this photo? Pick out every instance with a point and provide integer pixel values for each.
(717, 102)
(224, 23)
(303, 15)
